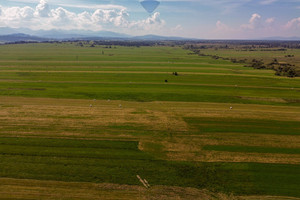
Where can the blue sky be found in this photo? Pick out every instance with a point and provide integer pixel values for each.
(207, 19)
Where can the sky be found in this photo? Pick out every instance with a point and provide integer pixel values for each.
(202, 19)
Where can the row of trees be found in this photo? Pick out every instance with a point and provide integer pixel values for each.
(280, 68)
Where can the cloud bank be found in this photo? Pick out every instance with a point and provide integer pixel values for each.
(107, 17)
(211, 19)
(257, 27)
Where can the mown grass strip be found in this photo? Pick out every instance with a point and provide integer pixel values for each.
(251, 149)
(239, 125)
(93, 161)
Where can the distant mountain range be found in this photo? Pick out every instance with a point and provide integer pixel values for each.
(18, 37)
(283, 38)
(22, 34)
(60, 34)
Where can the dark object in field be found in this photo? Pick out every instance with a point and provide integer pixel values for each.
(166, 81)
(289, 56)
(175, 73)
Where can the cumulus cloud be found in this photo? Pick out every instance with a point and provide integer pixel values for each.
(293, 24)
(151, 23)
(84, 21)
(254, 22)
(256, 27)
(117, 18)
(42, 9)
(61, 17)
(26, 13)
(255, 18)
(15, 16)
(42, 17)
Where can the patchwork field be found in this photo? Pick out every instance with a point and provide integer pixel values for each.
(83, 122)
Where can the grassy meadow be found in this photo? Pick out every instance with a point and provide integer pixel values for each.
(82, 123)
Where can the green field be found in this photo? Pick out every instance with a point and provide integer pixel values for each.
(282, 60)
(136, 74)
(80, 118)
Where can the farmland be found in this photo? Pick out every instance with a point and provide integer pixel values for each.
(84, 121)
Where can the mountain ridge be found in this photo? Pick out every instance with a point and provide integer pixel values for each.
(23, 34)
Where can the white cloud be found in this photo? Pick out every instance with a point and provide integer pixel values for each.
(151, 23)
(84, 19)
(257, 27)
(108, 17)
(293, 24)
(26, 13)
(61, 17)
(254, 22)
(42, 9)
(15, 16)
(255, 17)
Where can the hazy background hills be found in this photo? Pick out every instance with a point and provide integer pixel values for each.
(23, 34)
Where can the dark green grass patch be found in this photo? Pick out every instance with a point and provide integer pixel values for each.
(118, 76)
(120, 162)
(251, 149)
(159, 91)
(45, 142)
(66, 71)
(237, 125)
